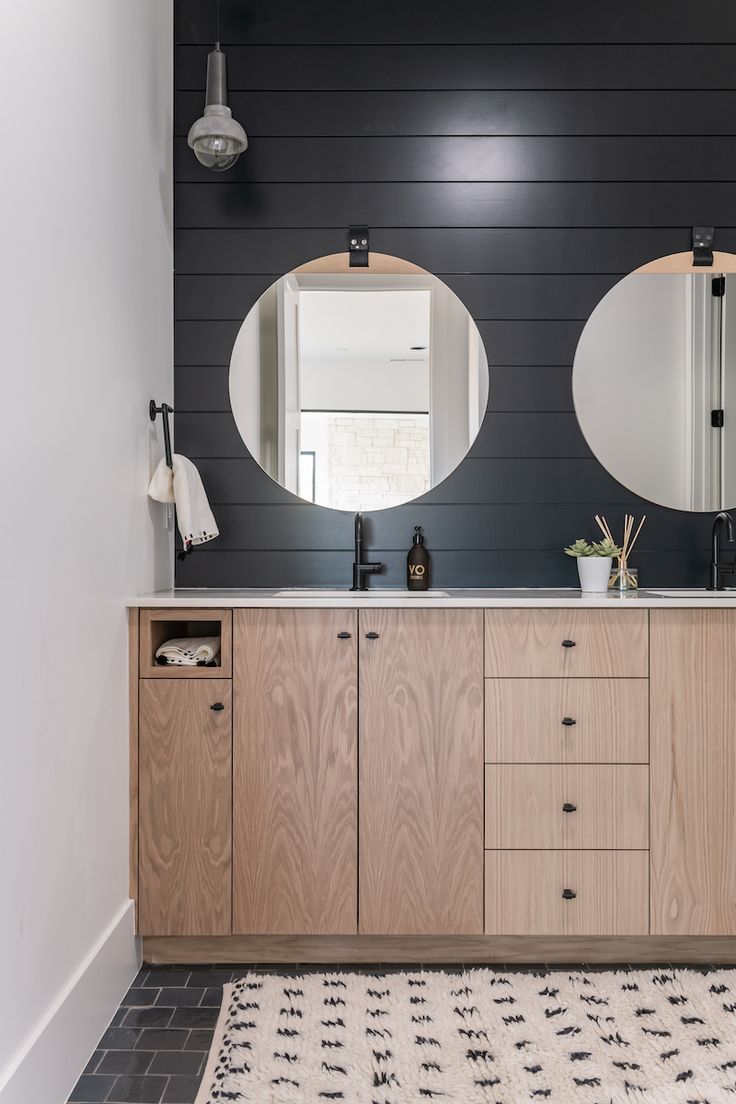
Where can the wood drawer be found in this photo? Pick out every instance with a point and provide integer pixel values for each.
(524, 893)
(529, 720)
(525, 806)
(555, 643)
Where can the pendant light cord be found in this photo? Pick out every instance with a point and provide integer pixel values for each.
(217, 23)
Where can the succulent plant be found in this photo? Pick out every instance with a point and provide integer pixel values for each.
(581, 547)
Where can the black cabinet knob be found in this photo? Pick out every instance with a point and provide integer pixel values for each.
(569, 894)
(568, 807)
(568, 643)
(218, 707)
(371, 636)
(343, 636)
(568, 721)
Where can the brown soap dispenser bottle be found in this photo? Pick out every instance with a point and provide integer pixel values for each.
(417, 563)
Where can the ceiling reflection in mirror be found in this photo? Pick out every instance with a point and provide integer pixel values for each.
(358, 389)
(654, 379)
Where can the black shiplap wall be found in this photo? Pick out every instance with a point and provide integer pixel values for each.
(528, 154)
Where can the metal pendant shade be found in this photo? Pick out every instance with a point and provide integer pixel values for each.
(216, 138)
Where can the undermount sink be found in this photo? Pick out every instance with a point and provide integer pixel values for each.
(296, 592)
(693, 593)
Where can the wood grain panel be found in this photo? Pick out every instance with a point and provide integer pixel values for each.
(295, 771)
(524, 806)
(524, 893)
(693, 772)
(525, 720)
(421, 751)
(133, 629)
(528, 643)
(440, 949)
(158, 625)
(185, 807)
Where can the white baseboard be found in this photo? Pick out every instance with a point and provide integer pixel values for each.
(50, 1061)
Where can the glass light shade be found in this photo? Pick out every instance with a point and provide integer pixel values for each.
(217, 139)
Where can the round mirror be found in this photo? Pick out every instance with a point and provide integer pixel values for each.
(358, 388)
(653, 376)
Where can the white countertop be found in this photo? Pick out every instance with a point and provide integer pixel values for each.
(532, 597)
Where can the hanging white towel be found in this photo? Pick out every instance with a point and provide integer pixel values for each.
(184, 486)
(189, 651)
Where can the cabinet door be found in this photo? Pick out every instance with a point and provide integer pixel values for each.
(693, 772)
(185, 777)
(421, 771)
(295, 771)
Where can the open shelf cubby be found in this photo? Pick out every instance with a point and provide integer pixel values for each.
(158, 625)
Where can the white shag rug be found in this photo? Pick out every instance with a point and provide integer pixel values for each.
(652, 1036)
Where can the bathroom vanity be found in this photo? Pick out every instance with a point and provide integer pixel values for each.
(486, 776)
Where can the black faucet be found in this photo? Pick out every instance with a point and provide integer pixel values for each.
(718, 569)
(360, 569)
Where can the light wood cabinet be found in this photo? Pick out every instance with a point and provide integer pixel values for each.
(573, 720)
(421, 771)
(566, 643)
(693, 772)
(185, 782)
(578, 806)
(295, 771)
(567, 893)
(372, 775)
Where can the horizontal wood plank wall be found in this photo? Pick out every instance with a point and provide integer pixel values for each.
(529, 158)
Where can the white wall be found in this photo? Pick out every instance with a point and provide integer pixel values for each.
(85, 341)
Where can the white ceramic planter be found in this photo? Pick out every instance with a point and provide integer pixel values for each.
(594, 572)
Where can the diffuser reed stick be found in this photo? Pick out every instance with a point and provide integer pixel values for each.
(623, 579)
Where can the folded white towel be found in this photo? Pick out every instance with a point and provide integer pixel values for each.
(189, 651)
(184, 486)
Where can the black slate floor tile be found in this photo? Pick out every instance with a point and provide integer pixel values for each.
(212, 997)
(92, 1088)
(162, 1038)
(132, 1089)
(119, 1038)
(194, 1017)
(181, 1090)
(138, 997)
(126, 1061)
(201, 979)
(148, 1017)
(160, 976)
(198, 1040)
(181, 995)
(187, 1062)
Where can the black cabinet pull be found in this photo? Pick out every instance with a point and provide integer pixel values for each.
(568, 643)
(218, 707)
(371, 636)
(569, 894)
(568, 807)
(343, 636)
(569, 721)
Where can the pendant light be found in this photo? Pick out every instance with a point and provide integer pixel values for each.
(216, 138)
